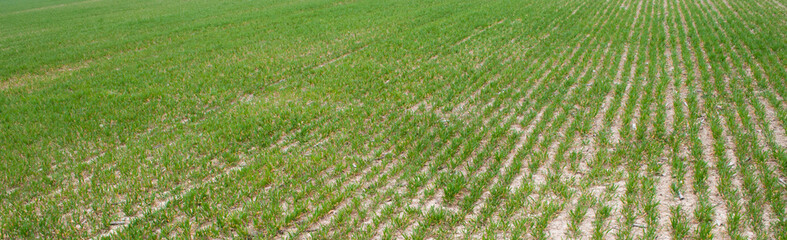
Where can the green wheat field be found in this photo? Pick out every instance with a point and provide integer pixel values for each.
(393, 119)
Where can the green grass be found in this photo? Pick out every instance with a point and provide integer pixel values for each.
(382, 119)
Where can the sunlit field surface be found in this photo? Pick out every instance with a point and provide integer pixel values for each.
(393, 119)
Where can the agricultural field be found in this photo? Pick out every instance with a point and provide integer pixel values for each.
(393, 119)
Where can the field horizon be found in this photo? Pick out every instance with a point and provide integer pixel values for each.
(393, 119)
